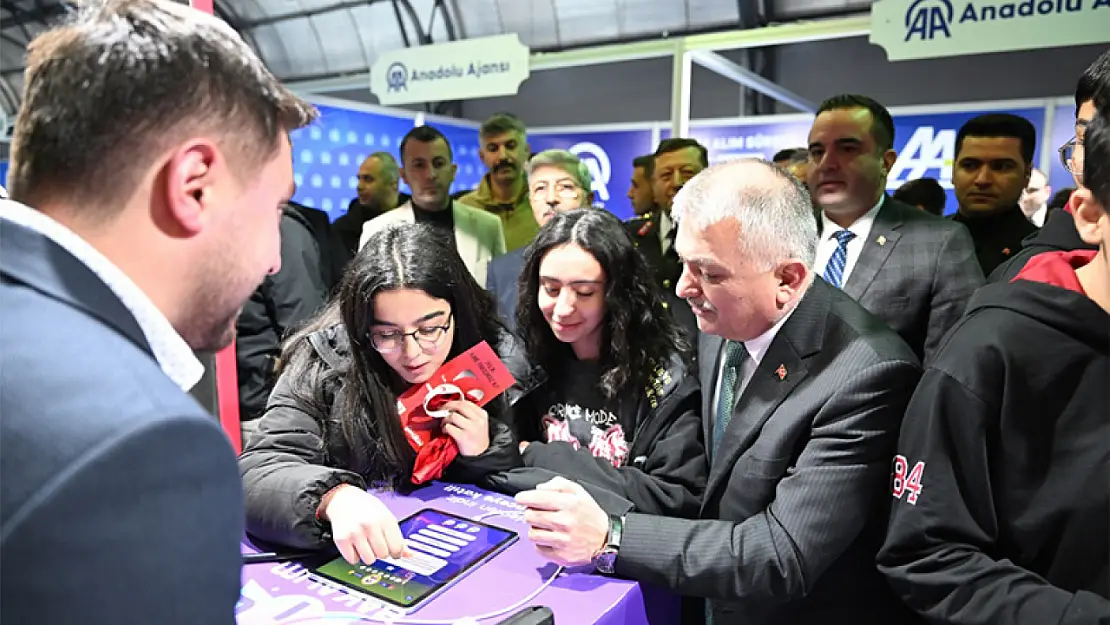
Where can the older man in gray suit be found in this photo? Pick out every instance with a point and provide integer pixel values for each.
(803, 396)
(143, 214)
(913, 270)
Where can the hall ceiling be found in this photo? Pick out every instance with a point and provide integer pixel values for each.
(304, 39)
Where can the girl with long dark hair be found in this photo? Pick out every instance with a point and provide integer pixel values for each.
(610, 401)
(406, 305)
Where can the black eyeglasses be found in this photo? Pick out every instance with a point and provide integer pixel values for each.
(426, 337)
(1071, 156)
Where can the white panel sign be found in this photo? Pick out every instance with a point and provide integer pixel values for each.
(460, 70)
(920, 29)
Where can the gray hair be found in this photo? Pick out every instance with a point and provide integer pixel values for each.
(121, 80)
(566, 161)
(771, 207)
(390, 170)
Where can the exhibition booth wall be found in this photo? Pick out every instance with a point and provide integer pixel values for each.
(327, 155)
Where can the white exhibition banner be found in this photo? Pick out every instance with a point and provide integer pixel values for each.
(460, 70)
(921, 29)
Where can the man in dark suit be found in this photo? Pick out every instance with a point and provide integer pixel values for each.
(379, 179)
(558, 181)
(121, 500)
(803, 394)
(913, 270)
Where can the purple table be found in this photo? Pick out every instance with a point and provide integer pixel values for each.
(285, 594)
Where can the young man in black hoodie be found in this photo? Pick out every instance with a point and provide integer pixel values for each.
(1000, 486)
(1058, 232)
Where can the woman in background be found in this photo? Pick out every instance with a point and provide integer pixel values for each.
(610, 401)
(406, 305)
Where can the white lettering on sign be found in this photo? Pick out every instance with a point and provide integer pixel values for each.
(929, 152)
(921, 29)
(469, 68)
(597, 161)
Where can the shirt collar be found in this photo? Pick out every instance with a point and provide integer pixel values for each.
(665, 224)
(860, 227)
(758, 346)
(174, 356)
(484, 194)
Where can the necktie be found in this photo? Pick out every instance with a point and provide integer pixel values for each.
(735, 354)
(668, 239)
(834, 271)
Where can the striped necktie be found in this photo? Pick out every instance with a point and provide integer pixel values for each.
(735, 355)
(834, 271)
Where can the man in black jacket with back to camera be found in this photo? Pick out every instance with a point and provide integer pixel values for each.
(1000, 488)
(282, 302)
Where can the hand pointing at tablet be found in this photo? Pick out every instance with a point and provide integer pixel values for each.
(361, 526)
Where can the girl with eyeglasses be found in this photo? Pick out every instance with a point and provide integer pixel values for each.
(610, 401)
(406, 305)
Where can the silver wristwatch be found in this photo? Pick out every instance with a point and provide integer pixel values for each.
(606, 560)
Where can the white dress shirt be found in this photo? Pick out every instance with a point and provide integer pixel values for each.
(756, 348)
(665, 225)
(828, 243)
(174, 356)
(1037, 218)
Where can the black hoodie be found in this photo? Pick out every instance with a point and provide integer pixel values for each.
(1002, 499)
(1057, 235)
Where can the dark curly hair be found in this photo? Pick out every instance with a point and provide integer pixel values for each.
(638, 335)
(362, 430)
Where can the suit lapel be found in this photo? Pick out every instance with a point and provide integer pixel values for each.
(709, 363)
(780, 371)
(876, 249)
(466, 239)
(33, 259)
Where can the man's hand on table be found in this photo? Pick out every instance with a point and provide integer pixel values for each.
(566, 524)
(362, 527)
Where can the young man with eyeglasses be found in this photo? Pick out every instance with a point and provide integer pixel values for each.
(1058, 232)
(1000, 496)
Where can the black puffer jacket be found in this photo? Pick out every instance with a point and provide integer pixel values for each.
(668, 467)
(293, 459)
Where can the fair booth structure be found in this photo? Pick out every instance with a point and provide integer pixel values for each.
(327, 155)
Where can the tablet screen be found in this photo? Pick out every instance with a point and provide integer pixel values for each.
(444, 546)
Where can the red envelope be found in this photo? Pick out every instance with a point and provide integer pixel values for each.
(478, 375)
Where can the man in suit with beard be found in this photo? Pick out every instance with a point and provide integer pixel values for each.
(803, 394)
(129, 242)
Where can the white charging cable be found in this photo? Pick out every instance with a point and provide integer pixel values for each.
(399, 619)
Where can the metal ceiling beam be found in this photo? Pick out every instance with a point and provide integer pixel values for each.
(285, 17)
(733, 71)
(773, 35)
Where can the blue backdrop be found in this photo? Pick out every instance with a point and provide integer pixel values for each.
(926, 146)
(731, 141)
(925, 143)
(4, 174)
(1063, 129)
(608, 155)
(467, 153)
(327, 154)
